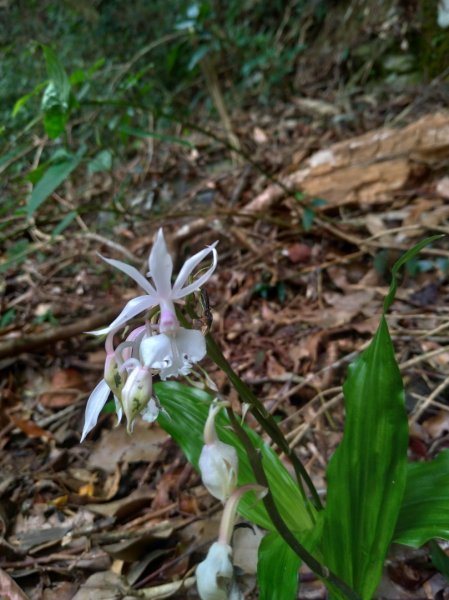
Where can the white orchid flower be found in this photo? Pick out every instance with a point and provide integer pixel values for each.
(160, 291)
(173, 353)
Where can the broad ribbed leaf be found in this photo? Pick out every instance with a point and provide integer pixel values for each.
(424, 512)
(277, 569)
(187, 410)
(366, 475)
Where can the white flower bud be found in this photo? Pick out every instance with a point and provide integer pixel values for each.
(219, 465)
(112, 375)
(218, 461)
(214, 576)
(136, 393)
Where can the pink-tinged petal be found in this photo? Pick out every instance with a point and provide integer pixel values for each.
(133, 273)
(133, 308)
(94, 406)
(133, 339)
(161, 266)
(187, 269)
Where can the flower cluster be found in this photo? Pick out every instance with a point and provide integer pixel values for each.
(162, 347)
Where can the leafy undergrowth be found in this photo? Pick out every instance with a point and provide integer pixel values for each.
(297, 295)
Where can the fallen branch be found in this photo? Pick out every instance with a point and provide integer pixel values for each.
(34, 341)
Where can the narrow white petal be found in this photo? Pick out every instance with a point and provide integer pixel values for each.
(118, 410)
(132, 308)
(187, 269)
(94, 406)
(133, 273)
(161, 266)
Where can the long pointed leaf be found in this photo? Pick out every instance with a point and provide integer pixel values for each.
(425, 508)
(367, 473)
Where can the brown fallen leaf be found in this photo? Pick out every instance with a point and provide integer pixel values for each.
(30, 428)
(63, 379)
(61, 591)
(124, 507)
(298, 253)
(102, 586)
(437, 425)
(9, 590)
(117, 445)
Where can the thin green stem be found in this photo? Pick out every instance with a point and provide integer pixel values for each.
(266, 420)
(255, 459)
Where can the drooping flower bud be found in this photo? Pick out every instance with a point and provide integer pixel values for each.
(215, 575)
(113, 377)
(218, 461)
(136, 393)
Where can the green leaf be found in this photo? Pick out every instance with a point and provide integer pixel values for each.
(53, 177)
(366, 475)
(308, 216)
(57, 75)
(277, 569)
(187, 410)
(142, 133)
(198, 56)
(318, 202)
(424, 513)
(20, 103)
(101, 162)
(70, 216)
(55, 120)
(7, 317)
(399, 263)
(440, 559)
(17, 254)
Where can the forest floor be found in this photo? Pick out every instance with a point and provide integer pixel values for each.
(309, 217)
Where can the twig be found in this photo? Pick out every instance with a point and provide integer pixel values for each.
(429, 400)
(114, 245)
